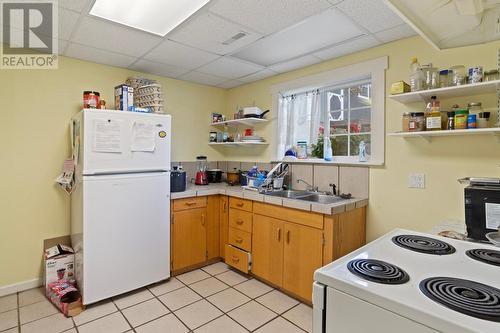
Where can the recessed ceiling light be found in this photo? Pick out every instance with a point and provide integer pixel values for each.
(154, 16)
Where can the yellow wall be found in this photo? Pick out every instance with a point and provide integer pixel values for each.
(392, 203)
(35, 108)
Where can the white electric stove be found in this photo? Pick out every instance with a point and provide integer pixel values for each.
(410, 282)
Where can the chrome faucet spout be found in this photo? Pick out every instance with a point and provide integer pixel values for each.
(311, 187)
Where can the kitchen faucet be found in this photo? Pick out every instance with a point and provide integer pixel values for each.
(311, 187)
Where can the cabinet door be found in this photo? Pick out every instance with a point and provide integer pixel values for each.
(302, 255)
(213, 232)
(189, 238)
(267, 249)
(224, 220)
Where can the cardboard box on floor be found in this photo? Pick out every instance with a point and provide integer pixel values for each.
(56, 269)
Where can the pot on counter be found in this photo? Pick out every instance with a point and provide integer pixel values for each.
(233, 177)
(177, 180)
(214, 175)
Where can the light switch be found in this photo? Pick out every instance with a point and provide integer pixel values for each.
(416, 180)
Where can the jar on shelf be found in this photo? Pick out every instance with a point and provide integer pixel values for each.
(433, 121)
(417, 122)
(461, 118)
(458, 75)
(450, 124)
(431, 77)
(491, 75)
(475, 107)
(406, 122)
(444, 78)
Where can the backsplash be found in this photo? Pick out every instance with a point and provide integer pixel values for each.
(348, 179)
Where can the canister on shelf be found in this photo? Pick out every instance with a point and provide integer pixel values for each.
(491, 75)
(475, 74)
(471, 121)
(90, 99)
(461, 118)
(458, 75)
(450, 124)
(444, 78)
(483, 119)
(433, 121)
(475, 107)
(417, 122)
(406, 122)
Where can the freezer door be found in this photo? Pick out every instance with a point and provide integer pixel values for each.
(126, 233)
(120, 141)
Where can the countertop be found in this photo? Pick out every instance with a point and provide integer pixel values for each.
(239, 192)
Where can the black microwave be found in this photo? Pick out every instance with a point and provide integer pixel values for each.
(482, 207)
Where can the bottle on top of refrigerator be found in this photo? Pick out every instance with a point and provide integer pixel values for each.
(416, 75)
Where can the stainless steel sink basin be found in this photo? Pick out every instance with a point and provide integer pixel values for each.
(290, 194)
(322, 198)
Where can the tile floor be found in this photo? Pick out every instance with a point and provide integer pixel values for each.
(213, 299)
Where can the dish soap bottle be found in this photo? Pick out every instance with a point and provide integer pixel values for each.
(328, 150)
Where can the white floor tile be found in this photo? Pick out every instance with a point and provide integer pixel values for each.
(179, 298)
(253, 288)
(197, 314)
(168, 323)
(132, 298)
(220, 325)
(277, 301)
(37, 311)
(114, 323)
(231, 278)
(216, 268)
(279, 325)
(193, 276)
(31, 296)
(8, 303)
(252, 315)
(165, 287)
(8, 320)
(228, 299)
(95, 311)
(208, 287)
(144, 312)
(53, 324)
(301, 315)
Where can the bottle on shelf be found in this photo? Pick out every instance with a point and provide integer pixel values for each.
(433, 115)
(416, 75)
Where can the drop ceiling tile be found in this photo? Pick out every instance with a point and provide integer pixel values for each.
(258, 76)
(202, 78)
(230, 84)
(158, 69)
(76, 5)
(113, 37)
(267, 16)
(208, 32)
(374, 15)
(348, 47)
(99, 56)
(67, 21)
(316, 32)
(172, 53)
(229, 68)
(399, 32)
(295, 64)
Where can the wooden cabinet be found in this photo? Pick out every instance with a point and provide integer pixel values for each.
(189, 238)
(240, 219)
(302, 255)
(223, 222)
(267, 249)
(237, 258)
(213, 227)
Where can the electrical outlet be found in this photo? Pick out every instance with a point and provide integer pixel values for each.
(416, 180)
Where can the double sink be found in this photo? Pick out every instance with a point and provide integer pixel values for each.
(307, 196)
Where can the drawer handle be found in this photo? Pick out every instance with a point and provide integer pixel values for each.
(235, 259)
(240, 204)
(190, 203)
(288, 237)
(239, 240)
(239, 221)
(203, 219)
(279, 234)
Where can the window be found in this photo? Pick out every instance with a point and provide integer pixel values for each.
(345, 105)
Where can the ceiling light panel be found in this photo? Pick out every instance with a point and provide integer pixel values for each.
(316, 32)
(348, 47)
(267, 16)
(155, 16)
(211, 33)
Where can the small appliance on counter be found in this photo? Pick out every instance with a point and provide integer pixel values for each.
(214, 175)
(177, 179)
(201, 177)
(233, 177)
(482, 206)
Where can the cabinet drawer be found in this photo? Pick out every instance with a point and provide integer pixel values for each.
(189, 203)
(240, 220)
(241, 239)
(237, 258)
(240, 204)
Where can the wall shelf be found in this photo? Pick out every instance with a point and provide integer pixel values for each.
(238, 144)
(241, 122)
(448, 92)
(428, 135)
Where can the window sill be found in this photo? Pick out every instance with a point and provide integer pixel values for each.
(334, 162)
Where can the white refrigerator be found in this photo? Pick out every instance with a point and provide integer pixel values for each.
(120, 207)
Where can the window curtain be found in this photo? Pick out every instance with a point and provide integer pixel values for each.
(299, 119)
